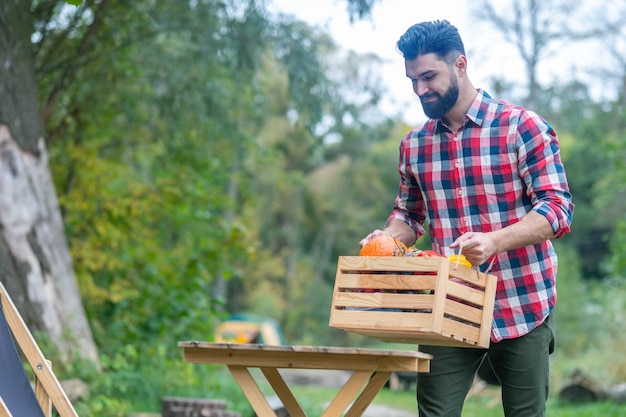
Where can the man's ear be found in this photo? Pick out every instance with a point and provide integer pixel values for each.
(460, 65)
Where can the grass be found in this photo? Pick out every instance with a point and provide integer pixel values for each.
(121, 394)
(485, 403)
(130, 391)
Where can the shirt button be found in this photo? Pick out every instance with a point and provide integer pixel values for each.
(457, 164)
(456, 138)
(460, 192)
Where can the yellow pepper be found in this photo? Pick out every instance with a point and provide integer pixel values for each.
(460, 259)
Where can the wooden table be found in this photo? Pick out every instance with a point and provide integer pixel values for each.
(371, 369)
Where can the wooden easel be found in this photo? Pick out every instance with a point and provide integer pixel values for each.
(48, 390)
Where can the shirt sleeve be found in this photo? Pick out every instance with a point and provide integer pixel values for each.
(409, 205)
(542, 170)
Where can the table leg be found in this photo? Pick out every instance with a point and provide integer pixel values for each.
(284, 393)
(346, 394)
(252, 391)
(375, 384)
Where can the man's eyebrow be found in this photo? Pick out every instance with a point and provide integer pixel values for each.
(422, 74)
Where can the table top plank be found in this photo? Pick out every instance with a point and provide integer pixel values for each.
(305, 357)
(305, 349)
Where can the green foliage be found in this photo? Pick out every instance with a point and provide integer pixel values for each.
(609, 301)
(589, 169)
(572, 304)
(360, 8)
(149, 174)
(588, 314)
(612, 195)
(132, 381)
(138, 269)
(617, 263)
(164, 178)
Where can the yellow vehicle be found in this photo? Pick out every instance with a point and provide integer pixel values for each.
(247, 328)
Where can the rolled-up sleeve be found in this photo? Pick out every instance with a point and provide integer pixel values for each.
(542, 169)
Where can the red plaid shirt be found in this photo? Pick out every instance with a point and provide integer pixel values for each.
(503, 163)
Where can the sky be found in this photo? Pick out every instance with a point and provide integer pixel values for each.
(489, 56)
(379, 34)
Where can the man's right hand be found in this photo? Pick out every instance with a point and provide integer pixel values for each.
(371, 237)
(395, 228)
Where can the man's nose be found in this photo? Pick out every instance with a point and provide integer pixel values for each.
(420, 88)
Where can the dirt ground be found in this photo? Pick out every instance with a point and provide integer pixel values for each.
(376, 410)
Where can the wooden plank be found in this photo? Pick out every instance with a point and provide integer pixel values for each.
(378, 320)
(383, 300)
(440, 297)
(308, 361)
(471, 276)
(386, 281)
(408, 264)
(252, 391)
(4, 410)
(253, 347)
(390, 263)
(461, 330)
(488, 306)
(42, 396)
(464, 335)
(347, 392)
(424, 337)
(466, 312)
(427, 339)
(375, 384)
(302, 357)
(463, 292)
(284, 393)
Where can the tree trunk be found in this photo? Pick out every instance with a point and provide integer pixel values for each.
(581, 389)
(35, 264)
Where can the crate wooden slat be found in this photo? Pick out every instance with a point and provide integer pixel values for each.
(421, 300)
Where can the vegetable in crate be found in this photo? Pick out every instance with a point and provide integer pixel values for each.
(384, 245)
(460, 260)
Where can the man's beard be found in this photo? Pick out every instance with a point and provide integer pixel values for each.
(438, 108)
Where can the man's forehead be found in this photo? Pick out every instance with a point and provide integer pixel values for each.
(423, 64)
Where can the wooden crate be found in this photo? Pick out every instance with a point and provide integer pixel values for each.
(421, 300)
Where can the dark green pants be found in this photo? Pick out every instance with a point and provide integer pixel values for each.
(521, 365)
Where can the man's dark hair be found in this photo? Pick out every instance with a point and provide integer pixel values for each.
(438, 37)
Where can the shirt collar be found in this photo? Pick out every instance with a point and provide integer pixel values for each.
(474, 113)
